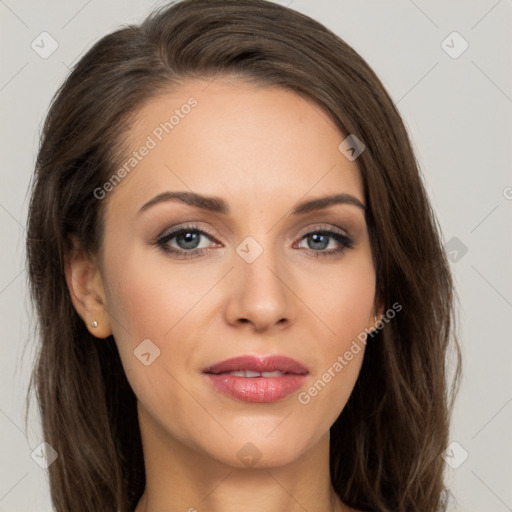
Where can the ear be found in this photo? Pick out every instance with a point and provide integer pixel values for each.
(86, 290)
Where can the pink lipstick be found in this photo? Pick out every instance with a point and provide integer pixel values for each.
(257, 379)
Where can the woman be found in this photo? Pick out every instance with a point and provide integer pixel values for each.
(243, 296)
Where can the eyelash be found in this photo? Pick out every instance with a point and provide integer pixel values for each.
(162, 242)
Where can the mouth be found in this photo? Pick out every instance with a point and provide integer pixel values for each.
(255, 379)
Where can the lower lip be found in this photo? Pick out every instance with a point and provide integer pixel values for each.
(256, 389)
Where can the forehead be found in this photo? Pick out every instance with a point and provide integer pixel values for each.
(229, 138)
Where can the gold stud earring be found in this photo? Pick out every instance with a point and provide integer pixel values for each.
(94, 323)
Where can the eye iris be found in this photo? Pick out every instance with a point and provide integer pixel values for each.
(320, 239)
(191, 240)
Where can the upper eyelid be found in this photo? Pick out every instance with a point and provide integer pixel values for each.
(176, 231)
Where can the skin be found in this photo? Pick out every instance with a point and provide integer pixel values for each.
(262, 150)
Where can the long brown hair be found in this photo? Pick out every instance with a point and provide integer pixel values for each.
(387, 443)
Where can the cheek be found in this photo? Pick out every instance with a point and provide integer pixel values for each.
(146, 301)
(151, 315)
(343, 299)
(139, 311)
(347, 301)
(340, 354)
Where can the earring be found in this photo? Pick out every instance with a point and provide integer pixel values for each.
(94, 323)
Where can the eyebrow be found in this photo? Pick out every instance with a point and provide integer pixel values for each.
(218, 205)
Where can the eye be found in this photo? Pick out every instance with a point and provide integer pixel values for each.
(322, 239)
(184, 242)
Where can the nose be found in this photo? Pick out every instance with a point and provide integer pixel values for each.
(260, 293)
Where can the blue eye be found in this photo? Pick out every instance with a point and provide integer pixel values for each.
(185, 242)
(320, 240)
(187, 238)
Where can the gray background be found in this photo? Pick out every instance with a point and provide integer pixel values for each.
(459, 114)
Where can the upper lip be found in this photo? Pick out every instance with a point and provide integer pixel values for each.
(259, 364)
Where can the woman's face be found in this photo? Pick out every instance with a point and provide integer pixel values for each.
(252, 278)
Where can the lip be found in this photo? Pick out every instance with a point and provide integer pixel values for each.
(257, 389)
(270, 363)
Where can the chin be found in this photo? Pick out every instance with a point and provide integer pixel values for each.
(258, 452)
